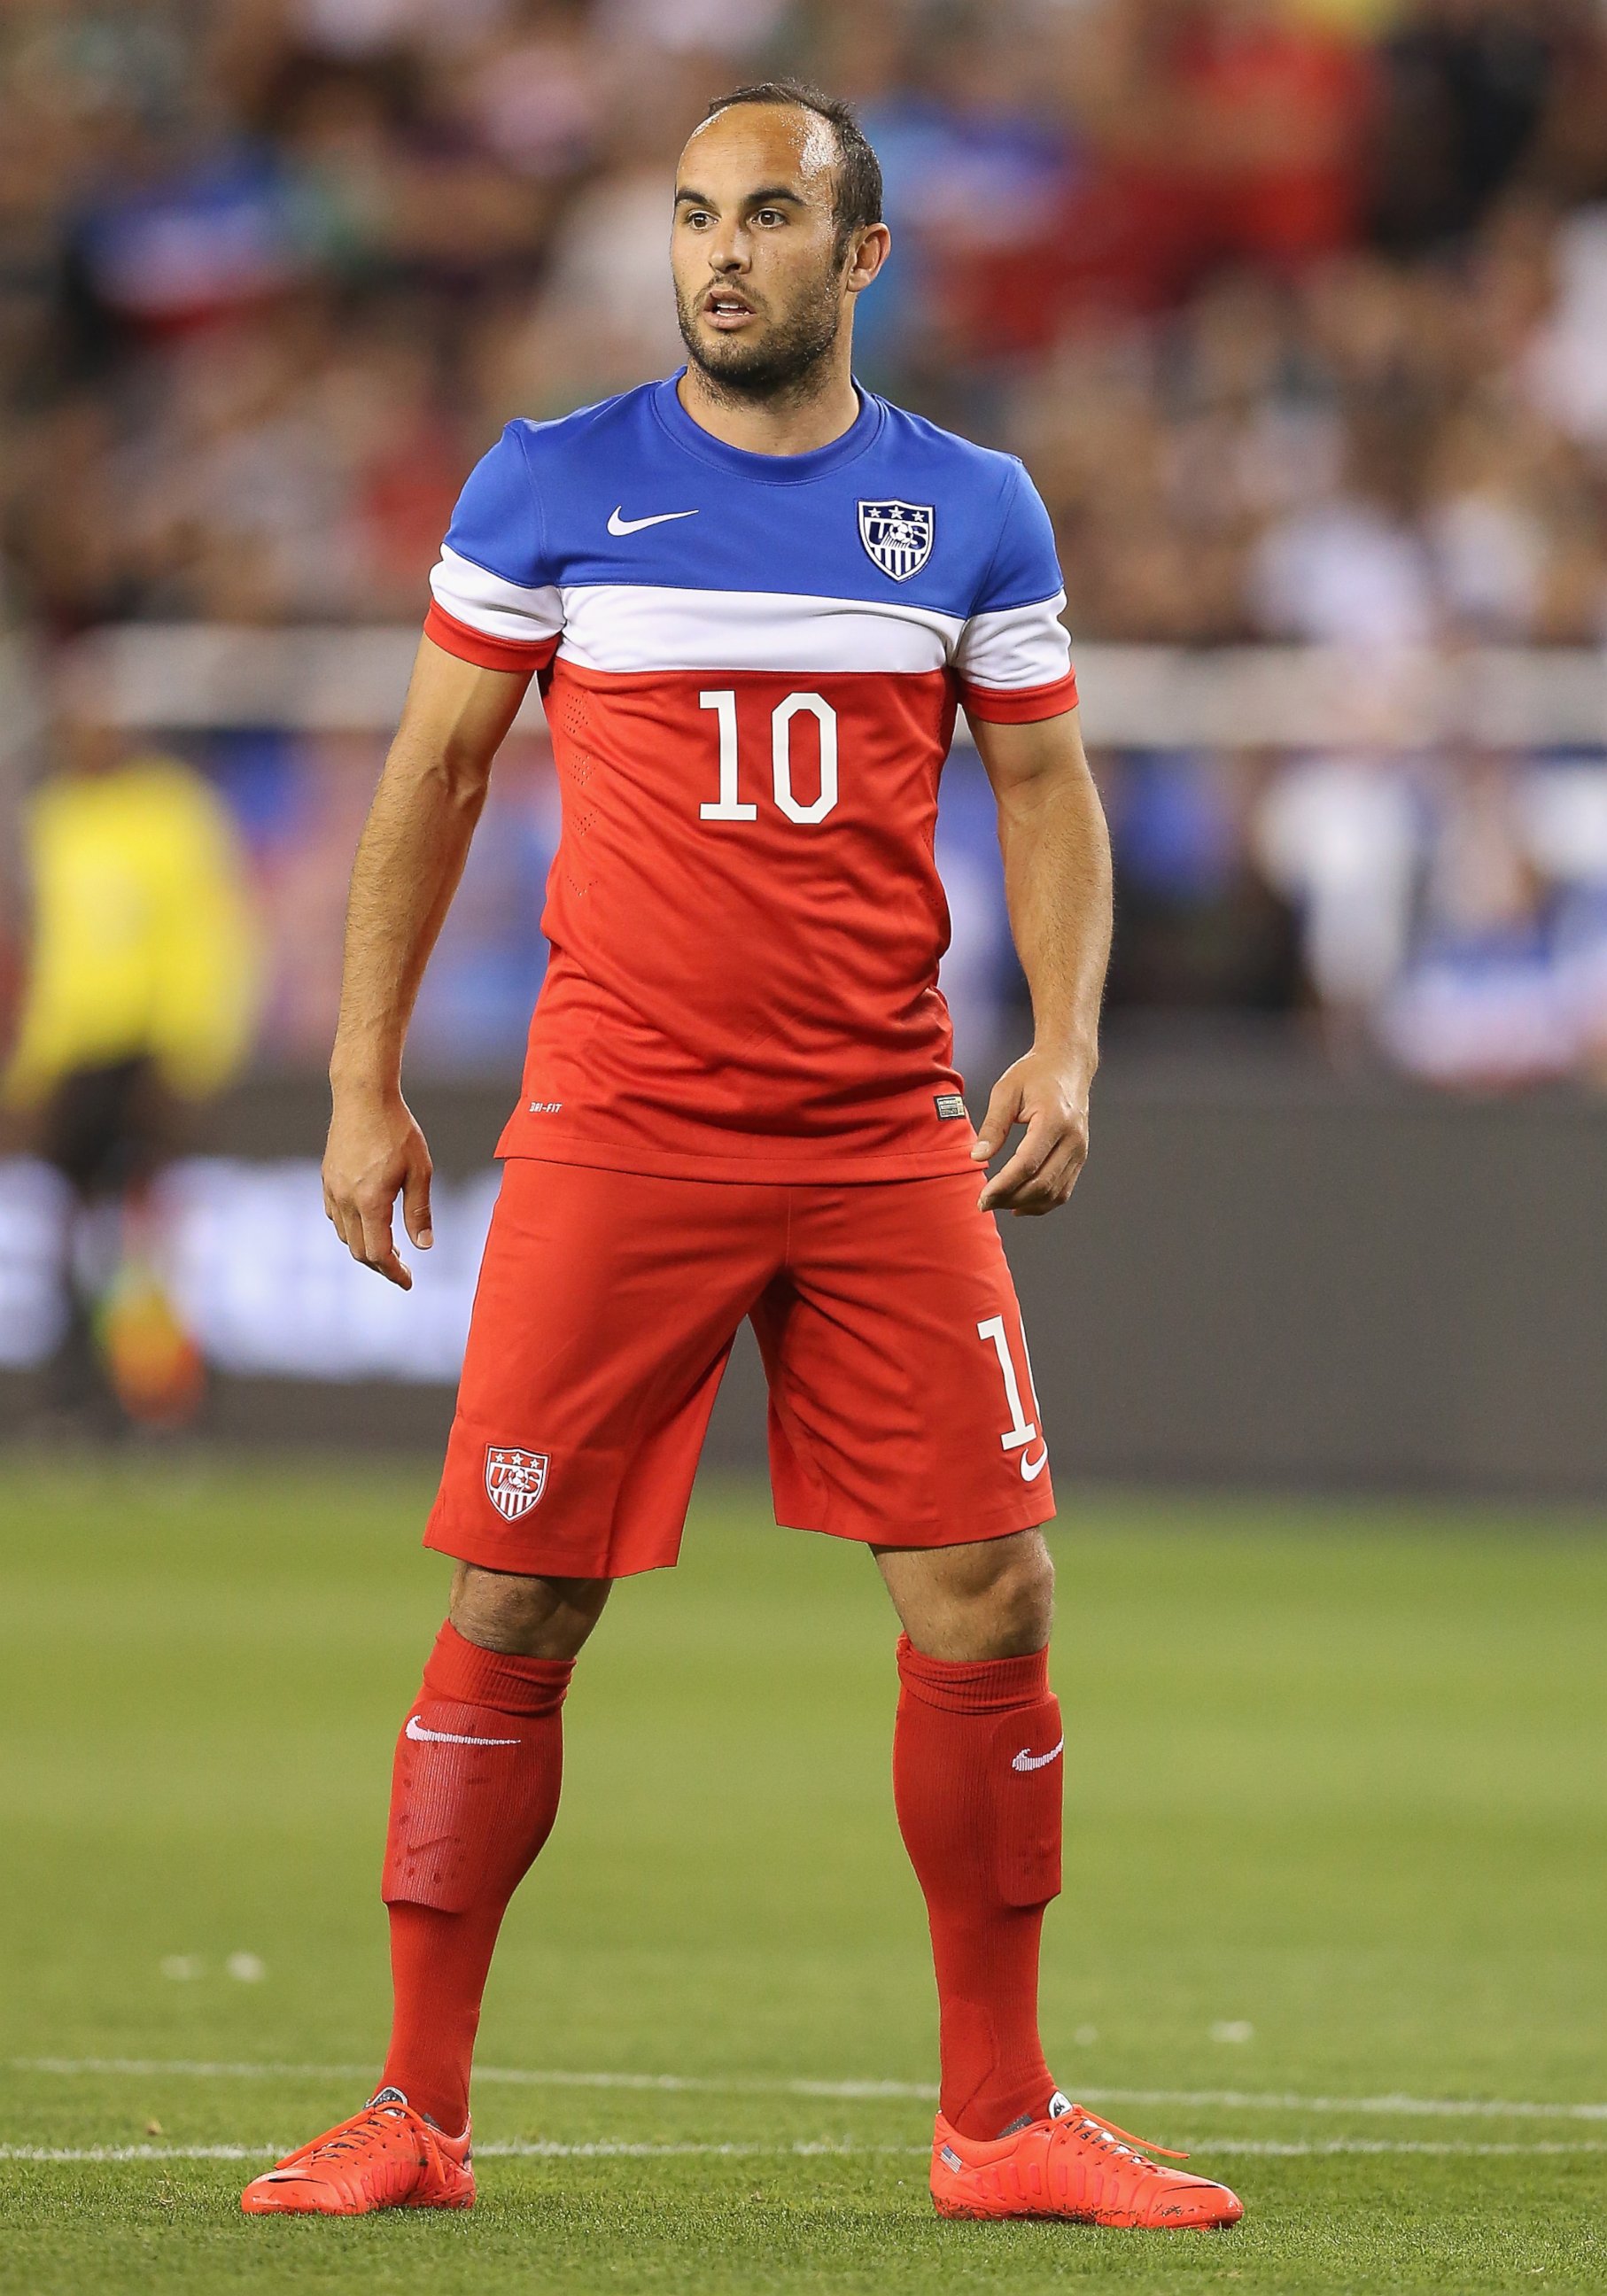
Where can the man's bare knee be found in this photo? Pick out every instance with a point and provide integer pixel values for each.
(529, 1617)
(1021, 1601)
(994, 1598)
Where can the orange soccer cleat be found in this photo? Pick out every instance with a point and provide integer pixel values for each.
(387, 2156)
(1074, 2165)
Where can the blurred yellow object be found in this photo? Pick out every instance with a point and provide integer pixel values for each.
(143, 942)
(1365, 19)
(154, 1365)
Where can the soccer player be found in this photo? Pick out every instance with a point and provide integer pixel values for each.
(754, 596)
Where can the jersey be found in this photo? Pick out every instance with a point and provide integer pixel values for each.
(751, 665)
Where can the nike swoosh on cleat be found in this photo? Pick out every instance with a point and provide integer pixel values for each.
(1031, 1469)
(1027, 1760)
(416, 1730)
(619, 524)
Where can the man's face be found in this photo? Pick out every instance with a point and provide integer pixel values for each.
(759, 290)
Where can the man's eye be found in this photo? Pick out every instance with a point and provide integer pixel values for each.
(695, 217)
(769, 215)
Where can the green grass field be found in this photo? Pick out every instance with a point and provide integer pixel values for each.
(1333, 1918)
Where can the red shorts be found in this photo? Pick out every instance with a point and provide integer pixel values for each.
(902, 1409)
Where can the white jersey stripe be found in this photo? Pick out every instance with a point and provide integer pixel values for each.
(626, 627)
(498, 609)
(630, 627)
(1018, 646)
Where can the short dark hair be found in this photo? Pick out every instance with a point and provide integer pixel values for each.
(857, 200)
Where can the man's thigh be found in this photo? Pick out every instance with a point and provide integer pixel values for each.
(605, 1311)
(902, 1405)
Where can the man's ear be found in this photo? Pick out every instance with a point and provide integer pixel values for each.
(866, 257)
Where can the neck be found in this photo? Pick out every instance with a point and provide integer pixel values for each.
(808, 413)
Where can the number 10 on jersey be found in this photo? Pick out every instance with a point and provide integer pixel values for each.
(728, 806)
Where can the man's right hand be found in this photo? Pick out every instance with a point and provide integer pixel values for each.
(374, 1153)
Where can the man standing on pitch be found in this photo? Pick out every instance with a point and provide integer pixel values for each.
(754, 596)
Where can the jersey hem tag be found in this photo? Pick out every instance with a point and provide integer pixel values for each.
(948, 1105)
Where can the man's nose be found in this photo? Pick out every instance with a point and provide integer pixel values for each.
(730, 249)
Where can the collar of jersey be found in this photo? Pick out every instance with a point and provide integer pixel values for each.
(767, 469)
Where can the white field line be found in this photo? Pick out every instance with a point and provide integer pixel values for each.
(1445, 2108)
(544, 2149)
(513, 2149)
(1188, 2099)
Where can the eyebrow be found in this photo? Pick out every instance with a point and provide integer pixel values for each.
(767, 197)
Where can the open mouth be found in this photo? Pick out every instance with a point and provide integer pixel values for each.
(726, 311)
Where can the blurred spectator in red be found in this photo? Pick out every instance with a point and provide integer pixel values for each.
(1225, 130)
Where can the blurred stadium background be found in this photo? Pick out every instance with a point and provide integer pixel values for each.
(1296, 309)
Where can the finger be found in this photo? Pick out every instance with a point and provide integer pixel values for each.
(1053, 1182)
(1032, 1153)
(415, 1204)
(349, 1221)
(1059, 1173)
(1061, 1157)
(1003, 1110)
(378, 1246)
(338, 1217)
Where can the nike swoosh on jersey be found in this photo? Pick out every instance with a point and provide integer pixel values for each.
(1031, 1469)
(1027, 1760)
(619, 524)
(416, 1730)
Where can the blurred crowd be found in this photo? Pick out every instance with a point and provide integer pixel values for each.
(1296, 309)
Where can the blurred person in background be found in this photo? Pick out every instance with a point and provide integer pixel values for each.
(137, 1004)
(1342, 837)
(1481, 1000)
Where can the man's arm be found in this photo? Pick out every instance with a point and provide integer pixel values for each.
(1057, 885)
(409, 860)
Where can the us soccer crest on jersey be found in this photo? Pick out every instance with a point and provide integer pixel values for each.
(898, 536)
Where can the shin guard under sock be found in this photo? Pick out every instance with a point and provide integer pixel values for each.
(977, 1772)
(474, 1793)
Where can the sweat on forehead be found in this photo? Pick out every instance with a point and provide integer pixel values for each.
(806, 139)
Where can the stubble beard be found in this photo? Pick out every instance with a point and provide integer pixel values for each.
(786, 368)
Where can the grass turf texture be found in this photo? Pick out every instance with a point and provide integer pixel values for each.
(1334, 1774)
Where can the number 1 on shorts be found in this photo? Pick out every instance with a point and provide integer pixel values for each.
(1021, 1431)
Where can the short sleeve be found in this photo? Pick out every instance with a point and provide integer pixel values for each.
(1013, 660)
(493, 599)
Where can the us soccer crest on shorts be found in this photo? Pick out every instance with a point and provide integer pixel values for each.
(514, 1480)
(898, 536)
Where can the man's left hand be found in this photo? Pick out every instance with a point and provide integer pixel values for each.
(1049, 1094)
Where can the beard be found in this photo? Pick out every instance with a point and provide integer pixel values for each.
(782, 364)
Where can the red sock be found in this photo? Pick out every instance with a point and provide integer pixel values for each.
(983, 1834)
(473, 1796)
